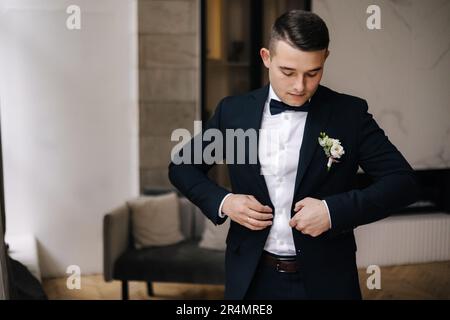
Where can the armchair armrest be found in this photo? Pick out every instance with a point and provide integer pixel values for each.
(116, 238)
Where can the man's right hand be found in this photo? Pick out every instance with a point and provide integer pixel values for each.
(247, 211)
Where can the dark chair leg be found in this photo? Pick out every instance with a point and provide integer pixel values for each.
(125, 295)
(149, 288)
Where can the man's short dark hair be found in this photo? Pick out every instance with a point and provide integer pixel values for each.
(303, 30)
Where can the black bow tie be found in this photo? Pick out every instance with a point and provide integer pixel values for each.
(277, 107)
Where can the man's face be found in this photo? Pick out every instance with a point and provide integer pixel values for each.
(294, 74)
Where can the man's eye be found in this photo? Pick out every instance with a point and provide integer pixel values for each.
(312, 74)
(287, 74)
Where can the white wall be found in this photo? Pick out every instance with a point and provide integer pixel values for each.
(402, 70)
(69, 102)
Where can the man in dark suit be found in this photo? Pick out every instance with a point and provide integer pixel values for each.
(293, 211)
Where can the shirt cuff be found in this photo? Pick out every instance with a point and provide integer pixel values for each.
(328, 210)
(221, 214)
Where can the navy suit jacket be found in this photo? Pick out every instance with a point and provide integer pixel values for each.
(328, 263)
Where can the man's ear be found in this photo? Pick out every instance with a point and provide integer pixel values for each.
(327, 53)
(265, 56)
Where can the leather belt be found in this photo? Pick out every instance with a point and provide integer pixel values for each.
(281, 264)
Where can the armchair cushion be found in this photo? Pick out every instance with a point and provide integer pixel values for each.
(214, 236)
(155, 220)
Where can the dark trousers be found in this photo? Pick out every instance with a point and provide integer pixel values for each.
(269, 284)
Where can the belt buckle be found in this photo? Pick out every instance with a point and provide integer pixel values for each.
(280, 270)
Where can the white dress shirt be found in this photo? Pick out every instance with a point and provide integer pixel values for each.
(280, 139)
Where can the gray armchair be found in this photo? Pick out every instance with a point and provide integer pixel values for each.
(184, 262)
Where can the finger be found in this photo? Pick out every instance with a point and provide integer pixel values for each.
(299, 205)
(251, 227)
(258, 215)
(293, 221)
(257, 206)
(301, 226)
(297, 224)
(258, 223)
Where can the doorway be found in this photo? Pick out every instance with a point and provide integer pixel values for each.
(233, 32)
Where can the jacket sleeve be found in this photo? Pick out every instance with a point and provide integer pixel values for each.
(394, 183)
(190, 177)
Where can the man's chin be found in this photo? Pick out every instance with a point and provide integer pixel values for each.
(296, 101)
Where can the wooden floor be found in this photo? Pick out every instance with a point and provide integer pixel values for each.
(420, 281)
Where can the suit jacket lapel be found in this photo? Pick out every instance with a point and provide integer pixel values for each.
(260, 97)
(316, 122)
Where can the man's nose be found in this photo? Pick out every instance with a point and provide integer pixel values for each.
(299, 84)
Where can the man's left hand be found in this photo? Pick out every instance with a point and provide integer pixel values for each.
(311, 217)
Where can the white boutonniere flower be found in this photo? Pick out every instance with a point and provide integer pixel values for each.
(332, 147)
